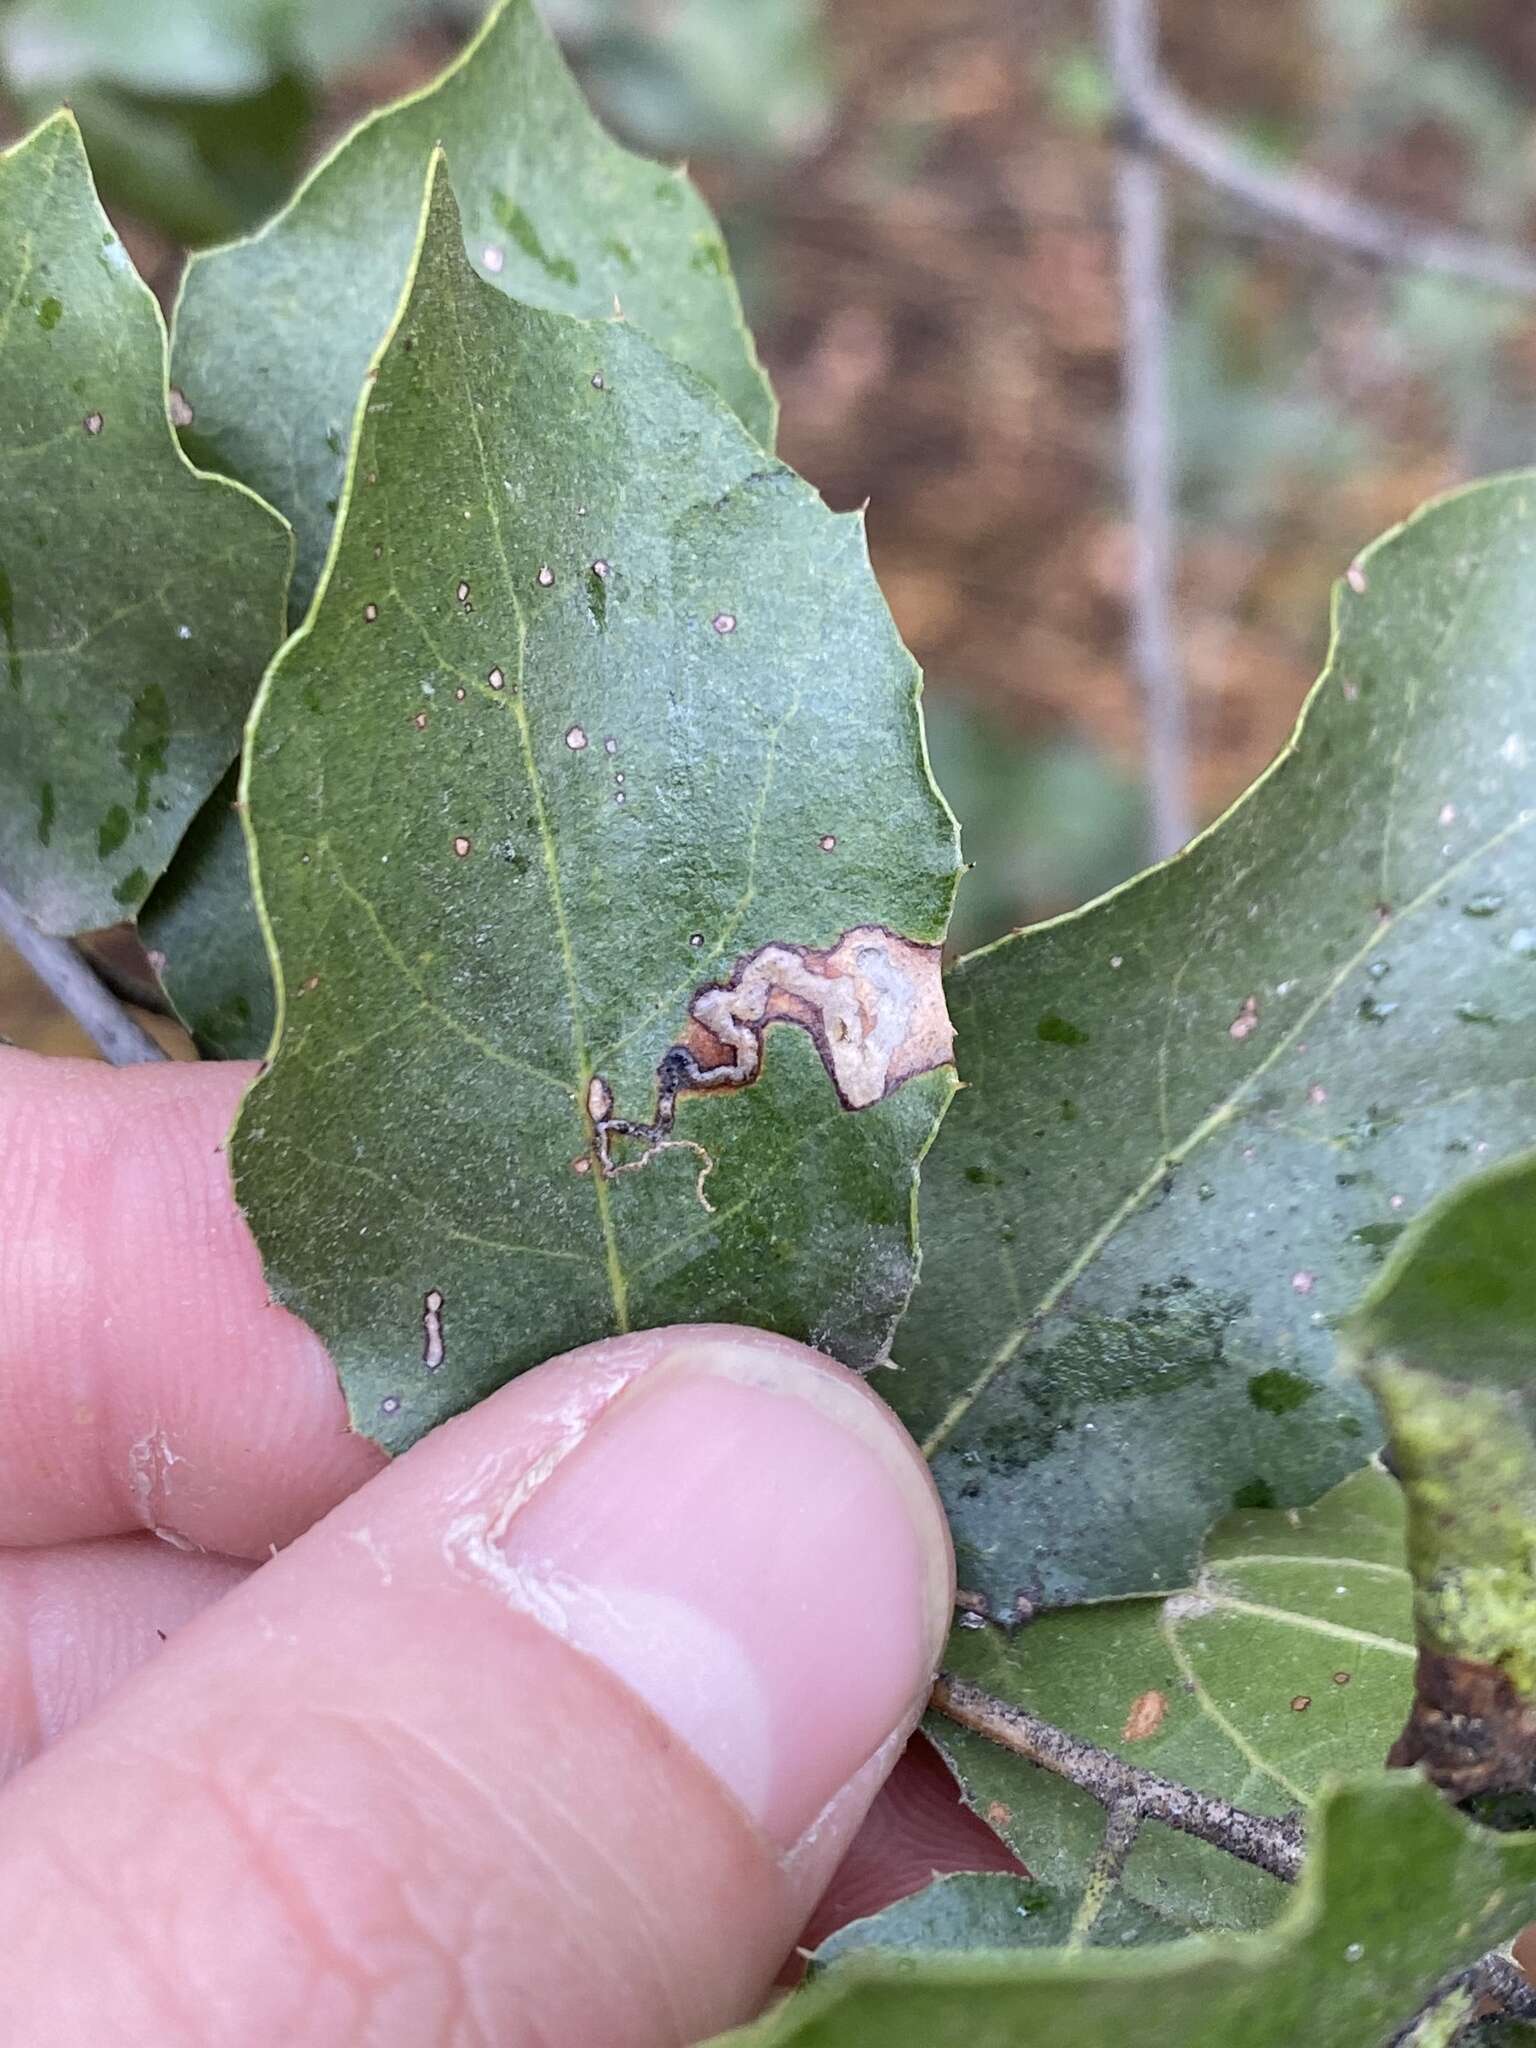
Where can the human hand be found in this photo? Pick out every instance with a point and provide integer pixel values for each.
(553, 1731)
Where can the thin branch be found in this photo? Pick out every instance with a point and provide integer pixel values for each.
(1154, 118)
(1269, 1842)
(1493, 1987)
(120, 1038)
(1147, 452)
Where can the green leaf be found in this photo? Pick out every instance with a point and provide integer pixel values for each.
(203, 933)
(1447, 1342)
(743, 77)
(191, 49)
(273, 335)
(139, 601)
(198, 170)
(1047, 824)
(965, 1910)
(1458, 1296)
(1287, 1658)
(1199, 1110)
(218, 48)
(598, 710)
(1398, 1891)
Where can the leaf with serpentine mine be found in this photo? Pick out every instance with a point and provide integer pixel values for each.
(605, 876)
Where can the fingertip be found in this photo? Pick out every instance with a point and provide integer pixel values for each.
(564, 1719)
(146, 1380)
(77, 1618)
(749, 1538)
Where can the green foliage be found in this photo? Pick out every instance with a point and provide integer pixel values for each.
(273, 336)
(139, 601)
(600, 886)
(630, 740)
(190, 49)
(1447, 1341)
(1458, 1296)
(1399, 1891)
(196, 112)
(1287, 1659)
(1200, 1109)
(197, 169)
(966, 1910)
(746, 76)
(1044, 824)
(203, 934)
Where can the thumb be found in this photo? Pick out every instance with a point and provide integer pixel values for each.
(551, 1733)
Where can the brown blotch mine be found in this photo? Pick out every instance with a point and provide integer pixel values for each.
(873, 1005)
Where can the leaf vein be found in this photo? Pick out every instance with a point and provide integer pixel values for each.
(1216, 1120)
(617, 1283)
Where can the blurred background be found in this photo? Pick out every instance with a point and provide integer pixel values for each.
(919, 199)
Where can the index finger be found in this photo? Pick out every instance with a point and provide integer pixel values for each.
(146, 1382)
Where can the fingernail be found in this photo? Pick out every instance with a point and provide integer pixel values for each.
(749, 1541)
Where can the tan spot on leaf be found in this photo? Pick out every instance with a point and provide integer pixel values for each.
(1145, 1716)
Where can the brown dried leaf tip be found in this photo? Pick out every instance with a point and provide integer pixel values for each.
(1469, 1728)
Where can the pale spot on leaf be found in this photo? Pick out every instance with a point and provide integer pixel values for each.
(432, 1351)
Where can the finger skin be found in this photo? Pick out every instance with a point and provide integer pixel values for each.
(450, 1772)
(76, 1619)
(145, 1379)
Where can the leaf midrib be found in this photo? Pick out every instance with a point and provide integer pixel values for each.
(617, 1284)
